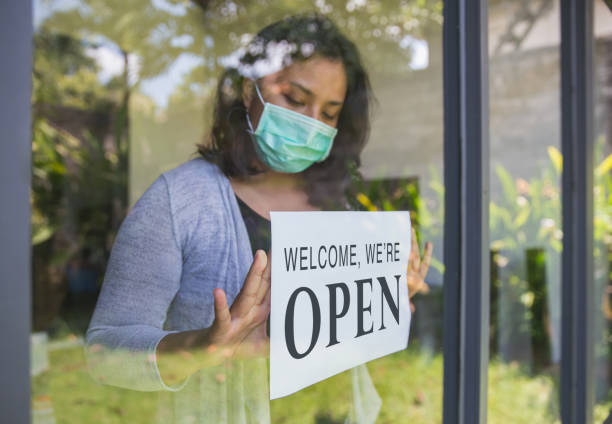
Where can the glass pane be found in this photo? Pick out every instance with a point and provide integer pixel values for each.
(134, 106)
(602, 81)
(525, 211)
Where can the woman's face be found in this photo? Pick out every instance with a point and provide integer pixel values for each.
(315, 88)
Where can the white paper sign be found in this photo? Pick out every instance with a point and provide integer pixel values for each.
(339, 293)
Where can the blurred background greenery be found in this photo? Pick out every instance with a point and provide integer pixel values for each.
(101, 134)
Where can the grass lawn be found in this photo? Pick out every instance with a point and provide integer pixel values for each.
(409, 384)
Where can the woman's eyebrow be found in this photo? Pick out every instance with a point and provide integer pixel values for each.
(310, 93)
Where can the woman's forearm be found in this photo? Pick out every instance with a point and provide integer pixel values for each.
(181, 354)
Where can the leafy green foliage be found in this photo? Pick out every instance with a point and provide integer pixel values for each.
(79, 164)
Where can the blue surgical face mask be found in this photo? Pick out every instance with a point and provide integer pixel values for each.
(288, 141)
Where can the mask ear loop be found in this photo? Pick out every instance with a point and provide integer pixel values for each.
(262, 102)
(259, 93)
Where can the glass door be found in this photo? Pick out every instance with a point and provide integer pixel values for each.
(132, 104)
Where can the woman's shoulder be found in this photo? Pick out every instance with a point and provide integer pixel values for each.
(196, 179)
(195, 171)
(197, 187)
(191, 194)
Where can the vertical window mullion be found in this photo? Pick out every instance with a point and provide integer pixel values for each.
(15, 166)
(577, 184)
(466, 163)
(452, 214)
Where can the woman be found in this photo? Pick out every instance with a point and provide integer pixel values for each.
(291, 119)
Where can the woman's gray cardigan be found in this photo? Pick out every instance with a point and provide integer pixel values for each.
(184, 237)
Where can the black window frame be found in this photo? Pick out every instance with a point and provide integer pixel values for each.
(466, 241)
(466, 211)
(577, 284)
(15, 168)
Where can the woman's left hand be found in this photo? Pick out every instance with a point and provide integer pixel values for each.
(417, 268)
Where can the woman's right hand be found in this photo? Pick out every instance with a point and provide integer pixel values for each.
(239, 330)
(243, 324)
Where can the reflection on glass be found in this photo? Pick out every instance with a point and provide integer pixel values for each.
(124, 91)
(525, 212)
(602, 210)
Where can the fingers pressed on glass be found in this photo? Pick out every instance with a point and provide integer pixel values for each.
(248, 295)
(415, 255)
(426, 260)
(267, 299)
(263, 309)
(222, 313)
(264, 286)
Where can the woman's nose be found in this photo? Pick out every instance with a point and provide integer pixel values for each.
(314, 112)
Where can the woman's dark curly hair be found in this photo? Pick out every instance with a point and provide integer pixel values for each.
(303, 36)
